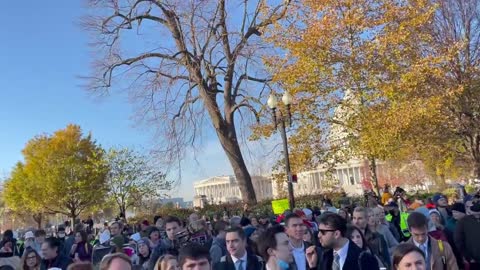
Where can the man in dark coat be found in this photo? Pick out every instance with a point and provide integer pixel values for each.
(53, 258)
(339, 252)
(238, 257)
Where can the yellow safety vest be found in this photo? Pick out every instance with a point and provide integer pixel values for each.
(403, 222)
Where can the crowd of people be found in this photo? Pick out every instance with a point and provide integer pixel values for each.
(394, 231)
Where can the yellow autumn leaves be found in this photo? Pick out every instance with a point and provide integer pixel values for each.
(391, 57)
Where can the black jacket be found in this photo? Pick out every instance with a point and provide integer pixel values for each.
(164, 247)
(253, 263)
(61, 262)
(467, 237)
(351, 262)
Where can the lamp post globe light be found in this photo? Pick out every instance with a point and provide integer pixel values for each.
(281, 120)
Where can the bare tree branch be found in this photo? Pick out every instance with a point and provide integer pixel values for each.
(197, 57)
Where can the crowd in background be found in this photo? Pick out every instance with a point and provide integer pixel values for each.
(393, 231)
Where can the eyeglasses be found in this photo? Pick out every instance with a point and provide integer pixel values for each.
(323, 232)
(31, 257)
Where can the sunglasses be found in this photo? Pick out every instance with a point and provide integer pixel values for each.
(323, 232)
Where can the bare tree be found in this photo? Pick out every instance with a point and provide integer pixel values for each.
(457, 26)
(186, 60)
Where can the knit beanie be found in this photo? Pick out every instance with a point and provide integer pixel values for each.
(118, 241)
(437, 197)
(434, 211)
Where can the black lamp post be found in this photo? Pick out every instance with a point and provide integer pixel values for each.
(282, 121)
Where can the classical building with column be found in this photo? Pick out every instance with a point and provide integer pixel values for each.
(348, 177)
(221, 189)
(352, 175)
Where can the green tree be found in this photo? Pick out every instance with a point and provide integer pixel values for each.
(63, 173)
(133, 179)
(20, 195)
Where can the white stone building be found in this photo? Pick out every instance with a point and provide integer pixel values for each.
(349, 176)
(225, 189)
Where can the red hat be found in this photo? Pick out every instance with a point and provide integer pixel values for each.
(146, 223)
(280, 218)
(300, 213)
(431, 206)
(308, 224)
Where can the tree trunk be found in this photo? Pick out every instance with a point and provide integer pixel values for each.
(475, 150)
(38, 219)
(373, 172)
(227, 136)
(229, 142)
(476, 169)
(123, 212)
(73, 216)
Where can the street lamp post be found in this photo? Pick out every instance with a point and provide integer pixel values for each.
(282, 121)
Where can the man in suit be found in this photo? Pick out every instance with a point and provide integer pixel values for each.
(438, 253)
(295, 229)
(238, 257)
(339, 253)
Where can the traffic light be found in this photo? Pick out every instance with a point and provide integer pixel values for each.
(294, 178)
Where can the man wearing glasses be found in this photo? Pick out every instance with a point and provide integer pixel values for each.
(339, 253)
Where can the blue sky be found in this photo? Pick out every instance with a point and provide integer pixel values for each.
(43, 52)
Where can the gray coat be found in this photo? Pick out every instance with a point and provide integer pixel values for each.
(218, 249)
(389, 238)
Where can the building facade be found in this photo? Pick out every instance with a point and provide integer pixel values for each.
(347, 176)
(222, 189)
(177, 202)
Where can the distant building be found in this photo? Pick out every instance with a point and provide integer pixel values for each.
(353, 175)
(189, 204)
(177, 202)
(349, 176)
(222, 189)
(200, 201)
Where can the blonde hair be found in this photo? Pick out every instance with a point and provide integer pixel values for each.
(162, 262)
